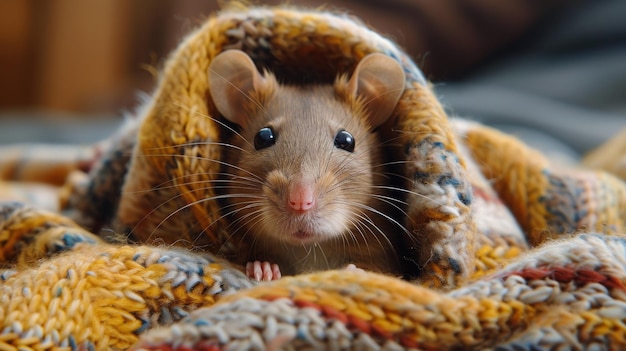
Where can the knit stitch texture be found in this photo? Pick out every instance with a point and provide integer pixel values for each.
(514, 254)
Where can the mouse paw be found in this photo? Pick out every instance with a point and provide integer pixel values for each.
(266, 271)
(352, 267)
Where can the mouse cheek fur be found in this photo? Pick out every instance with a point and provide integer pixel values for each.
(274, 190)
(330, 217)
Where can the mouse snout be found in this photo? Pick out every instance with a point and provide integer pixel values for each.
(301, 197)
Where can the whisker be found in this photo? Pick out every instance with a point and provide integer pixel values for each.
(216, 120)
(410, 192)
(245, 218)
(360, 227)
(321, 251)
(380, 213)
(206, 159)
(193, 203)
(239, 223)
(391, 201)
(389, 141)
(344, 239)
(145, 217)
(253, 219)
(196, 143)
(237, 208)
(392, 163)
(308, 251)
(234, 232)
(239, 184)
(366, 219)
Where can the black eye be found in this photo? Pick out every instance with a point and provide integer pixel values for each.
(264, 138)
(344, 140)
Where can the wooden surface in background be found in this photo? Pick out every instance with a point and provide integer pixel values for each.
(16, 55)
(87, 56)
(93, 56)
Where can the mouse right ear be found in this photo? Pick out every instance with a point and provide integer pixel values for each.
(232, 77)
(379, 80)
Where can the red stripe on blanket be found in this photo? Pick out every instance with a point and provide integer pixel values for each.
(486, 195)
(354, 323)
(569, 274)
(358, 324)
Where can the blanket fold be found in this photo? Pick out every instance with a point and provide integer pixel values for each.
(506, 251)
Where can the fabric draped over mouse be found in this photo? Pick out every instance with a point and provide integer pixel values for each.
(484, 207)
(298, 47)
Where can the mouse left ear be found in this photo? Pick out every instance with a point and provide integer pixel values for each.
(232, 77)
(379, 80)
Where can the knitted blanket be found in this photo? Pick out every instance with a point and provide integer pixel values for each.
(506, 251)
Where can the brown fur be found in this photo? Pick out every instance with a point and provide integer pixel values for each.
(306, 120)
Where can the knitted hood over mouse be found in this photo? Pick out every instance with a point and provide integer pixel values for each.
(177, 151)
(482, 207)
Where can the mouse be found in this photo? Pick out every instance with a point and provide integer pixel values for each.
(304, 184)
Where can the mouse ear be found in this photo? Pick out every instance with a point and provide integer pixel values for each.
(232, 76)
(379, 80)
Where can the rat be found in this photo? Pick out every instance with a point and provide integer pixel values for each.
(304, 186)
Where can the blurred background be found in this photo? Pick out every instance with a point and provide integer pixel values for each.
(551, 72)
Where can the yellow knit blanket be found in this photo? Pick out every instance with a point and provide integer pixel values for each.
(513, 253)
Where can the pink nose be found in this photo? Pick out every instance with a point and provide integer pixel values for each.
(301, 197)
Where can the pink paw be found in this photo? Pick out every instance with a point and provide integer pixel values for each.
(354, 268)
(262, 271)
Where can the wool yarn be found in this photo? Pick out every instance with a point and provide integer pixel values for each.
(174, 154)
(521, 255)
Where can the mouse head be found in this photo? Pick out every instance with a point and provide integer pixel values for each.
(377, 83)
(307, 160)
